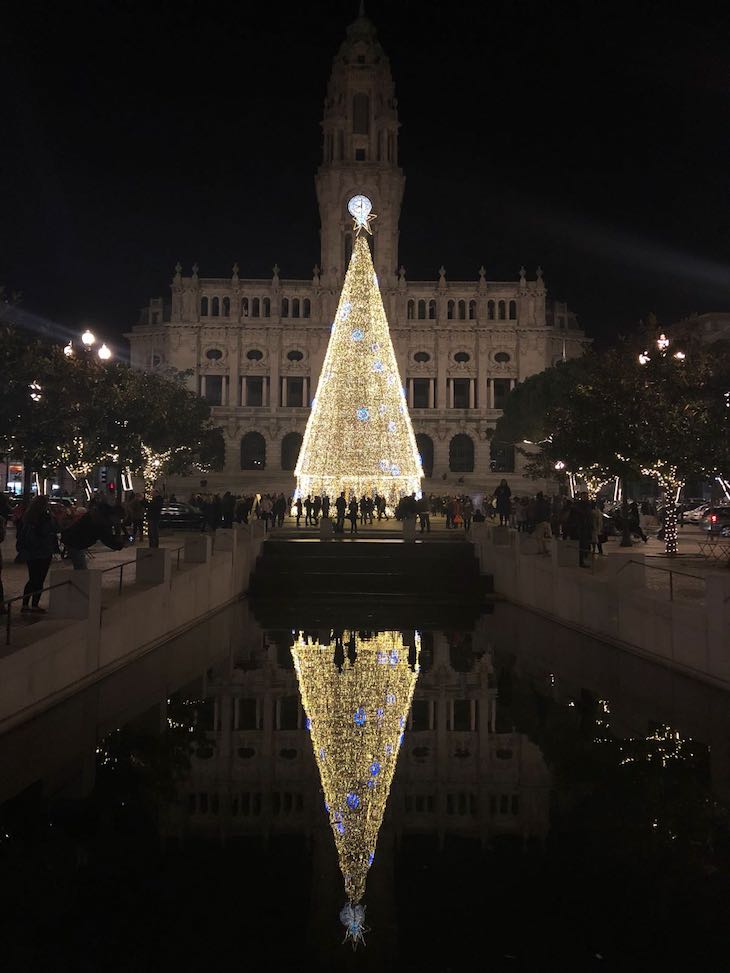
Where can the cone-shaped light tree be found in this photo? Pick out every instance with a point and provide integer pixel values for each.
(359, 436)
(356, 693)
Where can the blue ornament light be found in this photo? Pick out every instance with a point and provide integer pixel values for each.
(402, 721)
(374, 768)
(388, 749)
(382, 658)
(393, 657)
(391, 426)
(371, 858)
(358, 334)
(345, 310)
(353, 801)
(322, 752)
(391, 380)
(363, 414)
(375, 347)
(308, 724)
(380, 712)
(383, 408)
(360, 716)
(384, 465)
(371, 784)
(378, 366)
(390, 699)
(340, 827)
(395, 470)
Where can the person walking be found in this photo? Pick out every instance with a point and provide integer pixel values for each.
(502, 496)
(635, 522)
(228, 506)
(597, 535)
(353, 515)
(36, 546)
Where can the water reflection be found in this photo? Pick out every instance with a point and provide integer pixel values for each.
(544, 780)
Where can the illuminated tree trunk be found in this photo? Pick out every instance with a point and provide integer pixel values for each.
(359, 436)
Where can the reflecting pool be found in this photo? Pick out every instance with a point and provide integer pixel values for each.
(506, 792)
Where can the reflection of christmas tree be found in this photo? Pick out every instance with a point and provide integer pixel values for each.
(356, 695)
(359, 436)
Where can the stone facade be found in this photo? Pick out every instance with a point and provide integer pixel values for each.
(255, 347)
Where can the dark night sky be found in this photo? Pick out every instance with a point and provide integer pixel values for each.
(591, 138)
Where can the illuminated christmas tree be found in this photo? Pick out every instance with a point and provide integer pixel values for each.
(359, 436)
(356, 694)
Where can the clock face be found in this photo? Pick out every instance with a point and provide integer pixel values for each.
(359, 208)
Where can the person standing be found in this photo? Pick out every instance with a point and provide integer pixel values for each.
(326, 507)
(299, 509)
(136, 516)
(228, 506)
(36, 546)
(635, 522)
(154, 513)
(597, 535)
(502, 496)
(583, 527)
(467, 511)
(424, 516)
(308, 511)
(316, 509)
(353, 515)
(4, 516)
(341, 507)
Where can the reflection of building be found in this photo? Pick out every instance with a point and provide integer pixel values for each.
(255, 347)
(455, 774)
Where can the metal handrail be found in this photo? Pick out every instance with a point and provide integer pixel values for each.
(123, 565)
(660, 567)
(10, 601)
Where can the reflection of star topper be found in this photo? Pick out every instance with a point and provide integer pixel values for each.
(360, 208)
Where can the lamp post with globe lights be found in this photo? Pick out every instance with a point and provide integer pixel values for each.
(88, 340)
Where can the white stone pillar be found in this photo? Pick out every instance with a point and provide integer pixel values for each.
(202, 386)
(432, 393)
(450, 384)
(472, 389)
(305, 390)
(409, 382)
(284, 392)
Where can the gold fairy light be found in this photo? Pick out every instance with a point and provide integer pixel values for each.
(356, 695)
(359, 437)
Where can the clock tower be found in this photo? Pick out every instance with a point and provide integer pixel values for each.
(360, 155)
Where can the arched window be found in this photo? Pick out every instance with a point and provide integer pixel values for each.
(432, 310)
(215, 307)
(421, 310)
(411, 308)
(501, 310)
(360, 115)
(462, 310)
(295, 307)
(285, 307)
(214, 354)
(490, 310)
(255, 354)
(450, 310)
(461, 454)
(255, 307)
(513, 310)
(502, 357)
(425, 448)
(244, 307)
(226, 307)
(306, 308)
(295, 355)
(204, 307)
(253, 451)
(267, 307)
(422, 357)
(501, 458)
(290, 446)
(472, 310)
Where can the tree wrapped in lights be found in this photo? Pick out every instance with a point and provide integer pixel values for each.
(359, 436)
(356, 693)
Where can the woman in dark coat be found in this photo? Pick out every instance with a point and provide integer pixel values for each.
(36, 545)
(502, 495)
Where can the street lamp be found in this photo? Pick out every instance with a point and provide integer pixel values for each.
(104, 353)
(88, 338)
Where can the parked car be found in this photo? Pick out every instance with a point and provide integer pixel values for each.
(181, 516)
(695, 515)
(717, 521)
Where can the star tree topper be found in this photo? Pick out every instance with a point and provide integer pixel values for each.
(360, 209)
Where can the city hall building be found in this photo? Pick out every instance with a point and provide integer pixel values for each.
(255, 347)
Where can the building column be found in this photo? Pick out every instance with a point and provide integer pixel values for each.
(490, 394)
(305, 389)
(284, 392)
(202, 386)
(472, 390)
(274, 389)
(450, 384)
(442, 345)
(234, 386)
(432, 393)
(482, 399)
(409, 385)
